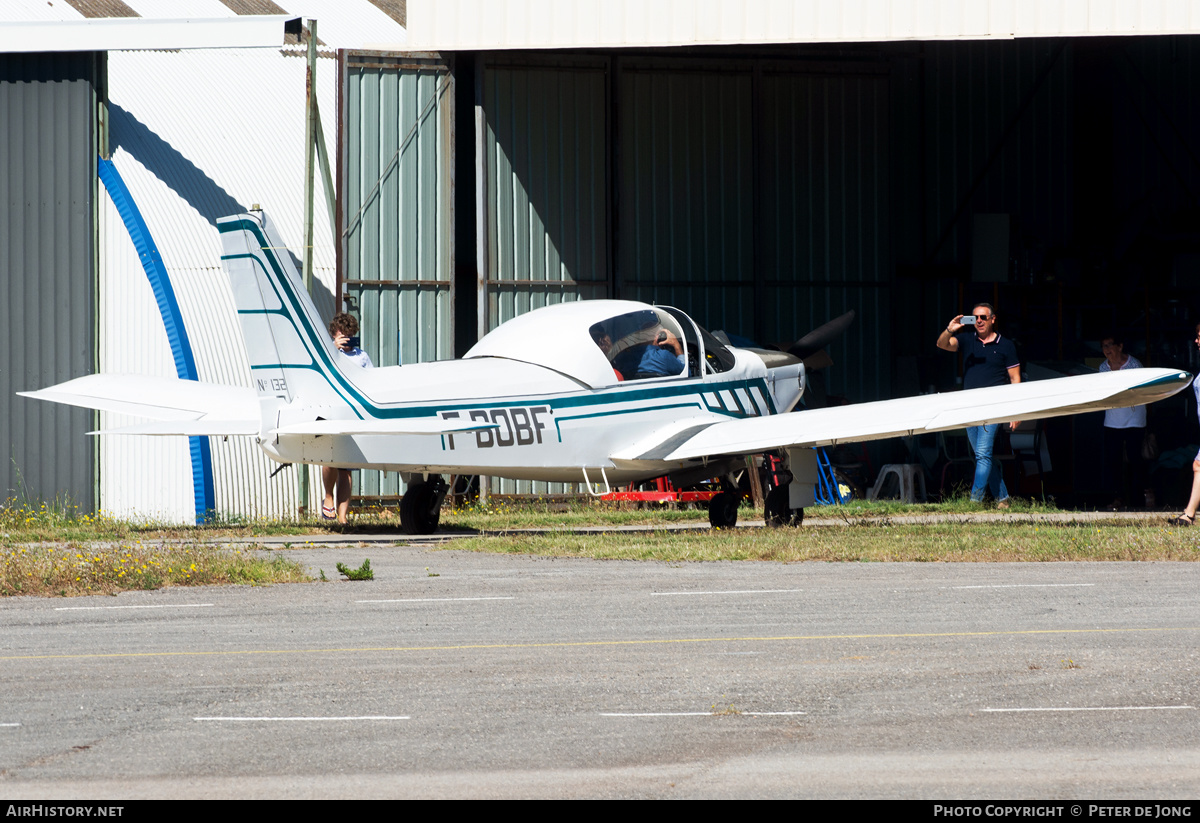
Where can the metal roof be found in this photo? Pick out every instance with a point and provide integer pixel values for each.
(102, 25)
(139, 33)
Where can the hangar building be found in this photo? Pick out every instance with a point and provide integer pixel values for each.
(764, 165)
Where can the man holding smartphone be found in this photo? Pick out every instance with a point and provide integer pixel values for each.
(988, 360)
(338, 482)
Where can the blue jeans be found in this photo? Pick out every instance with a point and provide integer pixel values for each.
(988, 476)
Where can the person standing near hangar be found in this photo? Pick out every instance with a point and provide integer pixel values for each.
(989, 359)
(1124, 430)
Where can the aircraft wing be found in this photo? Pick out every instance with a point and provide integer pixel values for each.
(186, 407)
(930, 413)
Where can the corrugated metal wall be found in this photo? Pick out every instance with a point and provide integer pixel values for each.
(686, 198)
(398, 213)
(757, 202)
(546, 185)
(764, 220)
(521, 24)
(998, 140)
(47, 270)
(141, 478)
(823, 243)
(546, 194)
(183, 178)
(1156, 124)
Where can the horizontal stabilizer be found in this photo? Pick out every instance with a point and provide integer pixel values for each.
(408, 425)
(158, 398)
(188, 428)
(934, 412)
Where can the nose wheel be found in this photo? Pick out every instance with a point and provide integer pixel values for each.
(722, 510)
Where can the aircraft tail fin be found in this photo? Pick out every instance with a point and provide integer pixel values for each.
(292, 357)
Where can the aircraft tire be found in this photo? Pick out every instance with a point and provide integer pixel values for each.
(722, 510)
(775, 509)
(418, 514)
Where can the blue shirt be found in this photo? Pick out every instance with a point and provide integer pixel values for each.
(651, 361)
(986, 364)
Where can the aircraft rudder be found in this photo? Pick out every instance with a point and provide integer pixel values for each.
(290, 352)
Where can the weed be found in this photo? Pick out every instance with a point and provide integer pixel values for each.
(1071, 664)
(324, 579)
(727, 711)
(363, 572)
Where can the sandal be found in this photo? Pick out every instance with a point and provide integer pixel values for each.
(328, 512)
(1183, 520)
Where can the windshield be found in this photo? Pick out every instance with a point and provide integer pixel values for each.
(716, 355)
(642, 344)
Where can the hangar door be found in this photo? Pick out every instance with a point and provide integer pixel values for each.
(754, 195)
(48, 149)
(545, 183)
(397, 213)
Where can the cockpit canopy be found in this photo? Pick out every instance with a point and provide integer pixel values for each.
(597, 341)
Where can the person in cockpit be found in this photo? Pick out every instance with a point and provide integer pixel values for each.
(604, 340)
(662, 357)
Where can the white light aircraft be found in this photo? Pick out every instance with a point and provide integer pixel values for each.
(546, 396)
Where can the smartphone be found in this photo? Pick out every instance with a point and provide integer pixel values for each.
(353, 342)
(968, 319)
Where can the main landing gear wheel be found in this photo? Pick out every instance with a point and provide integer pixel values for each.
(421, 507)
(777, 512)
(722, 510)
(775, 509)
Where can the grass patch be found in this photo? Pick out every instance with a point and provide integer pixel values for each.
(553, 514)
(22, 523)
(69, 570)
(1004, 541)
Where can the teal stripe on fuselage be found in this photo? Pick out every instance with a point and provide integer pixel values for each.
(310, 366)
(635, 409)
(613, 397)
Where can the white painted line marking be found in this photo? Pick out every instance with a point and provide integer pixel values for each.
(298, 719)
(9, 725)
(697, 714)
(1024, 586)
(1094, 709)
(736, 591)
(163, 606)
(435, 600)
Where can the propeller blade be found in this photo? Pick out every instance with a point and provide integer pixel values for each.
(818, 338)
(820, 360)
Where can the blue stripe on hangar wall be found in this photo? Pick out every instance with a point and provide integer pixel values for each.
(168, 307)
